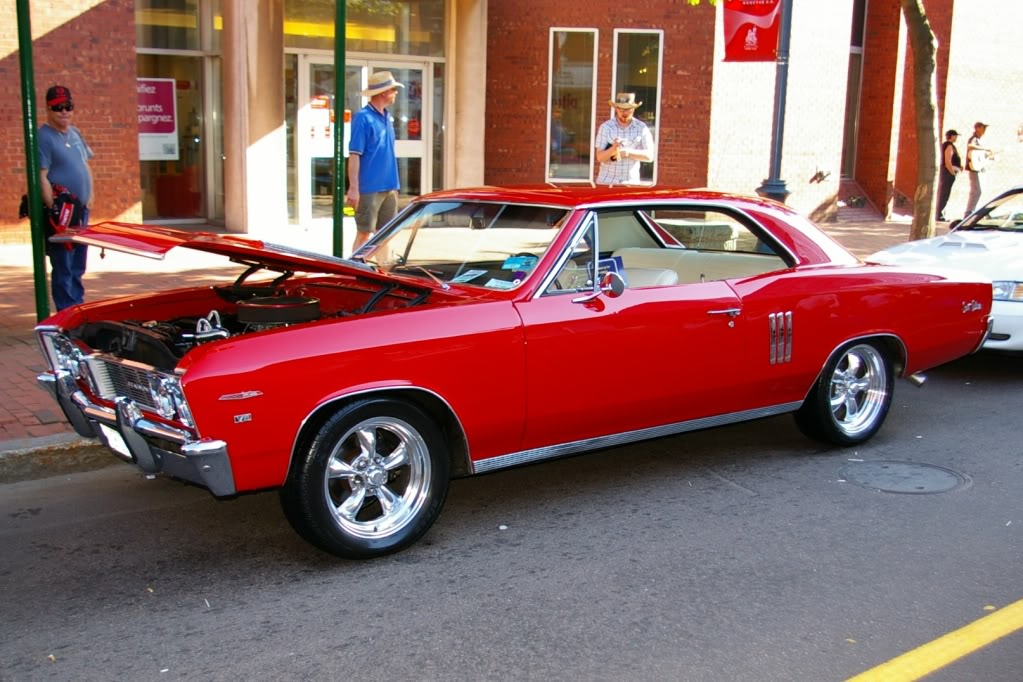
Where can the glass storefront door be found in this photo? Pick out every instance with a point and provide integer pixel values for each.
(311, 137)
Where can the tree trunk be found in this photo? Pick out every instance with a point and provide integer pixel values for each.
(924, 46)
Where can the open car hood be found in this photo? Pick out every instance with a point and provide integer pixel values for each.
(151, 241)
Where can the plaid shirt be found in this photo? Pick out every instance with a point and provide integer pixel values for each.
(636, 135)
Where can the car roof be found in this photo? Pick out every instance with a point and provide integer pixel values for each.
(576, 196)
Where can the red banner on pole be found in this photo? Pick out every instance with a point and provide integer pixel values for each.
(751, 30)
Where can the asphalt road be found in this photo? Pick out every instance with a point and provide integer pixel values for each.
(739, 553)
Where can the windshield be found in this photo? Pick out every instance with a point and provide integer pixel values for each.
(481, 244)
(1005, 213)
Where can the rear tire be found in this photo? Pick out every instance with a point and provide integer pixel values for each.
(850, 399)
(371, 482)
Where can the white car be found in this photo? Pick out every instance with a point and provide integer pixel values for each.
(989, 242)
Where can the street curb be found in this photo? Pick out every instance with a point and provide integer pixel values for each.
(19, 446)
(34, 458)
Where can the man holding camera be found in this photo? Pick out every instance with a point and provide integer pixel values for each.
(623, 142)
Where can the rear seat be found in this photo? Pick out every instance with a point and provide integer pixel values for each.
(691, 265)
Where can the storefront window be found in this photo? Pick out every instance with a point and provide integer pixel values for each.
(167, 24)
(180, 126)
(406, 27)
(637, 62)
(172, 186)
(573, 60)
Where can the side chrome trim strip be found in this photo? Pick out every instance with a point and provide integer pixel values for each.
(780, 337)
(563, 449)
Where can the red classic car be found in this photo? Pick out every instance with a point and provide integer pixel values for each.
(489, 328)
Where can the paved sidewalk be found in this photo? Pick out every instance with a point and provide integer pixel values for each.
(30, 419)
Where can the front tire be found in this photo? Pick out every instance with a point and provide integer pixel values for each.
(850, 400)
(371, 482)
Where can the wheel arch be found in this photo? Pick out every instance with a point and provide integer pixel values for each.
(889, 342)
(429, 402)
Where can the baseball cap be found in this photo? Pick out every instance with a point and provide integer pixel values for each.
(57, 94)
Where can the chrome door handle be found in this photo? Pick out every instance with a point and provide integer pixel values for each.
(731, 312)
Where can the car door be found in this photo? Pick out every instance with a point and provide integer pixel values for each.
(600, 364)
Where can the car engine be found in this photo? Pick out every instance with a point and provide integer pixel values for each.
(162, 344)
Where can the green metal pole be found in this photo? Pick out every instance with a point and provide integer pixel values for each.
(35, 195)
(339, 126)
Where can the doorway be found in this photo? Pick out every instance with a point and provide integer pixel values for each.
(311, 136)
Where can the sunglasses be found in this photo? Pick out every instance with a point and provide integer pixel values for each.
(63, 107)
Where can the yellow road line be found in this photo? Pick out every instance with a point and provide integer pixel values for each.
(938, 653)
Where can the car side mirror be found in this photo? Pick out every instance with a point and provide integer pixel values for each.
(612, 284)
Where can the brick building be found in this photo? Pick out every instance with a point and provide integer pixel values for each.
(499, 91)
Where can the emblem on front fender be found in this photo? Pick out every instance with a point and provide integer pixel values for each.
(971, 306)
(243, 395)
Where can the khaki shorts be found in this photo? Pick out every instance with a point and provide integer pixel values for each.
(375, 210)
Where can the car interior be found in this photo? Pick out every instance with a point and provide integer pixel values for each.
(667, 246)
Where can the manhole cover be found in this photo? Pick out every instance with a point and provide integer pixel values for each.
(904, 477)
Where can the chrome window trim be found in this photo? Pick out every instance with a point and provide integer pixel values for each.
(584, 224)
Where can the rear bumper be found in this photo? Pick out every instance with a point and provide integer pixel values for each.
(153, 447)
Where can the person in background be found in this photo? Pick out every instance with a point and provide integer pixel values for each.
(951, 165)
(372, 165)
(64, 162)
(977, 156)
(623, 142)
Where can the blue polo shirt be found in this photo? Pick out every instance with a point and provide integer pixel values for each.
(373, 140)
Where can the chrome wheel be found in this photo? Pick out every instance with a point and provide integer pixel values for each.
(850, 399)
(377, 477)
(370, 481)
(859, 389)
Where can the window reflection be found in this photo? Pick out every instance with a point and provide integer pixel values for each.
(413, 27)
(572, 71)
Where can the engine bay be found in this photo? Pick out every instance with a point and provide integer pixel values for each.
(243, 307)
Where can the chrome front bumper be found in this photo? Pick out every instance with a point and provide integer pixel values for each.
(135, 439)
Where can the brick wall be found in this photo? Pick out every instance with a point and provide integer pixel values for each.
(517, 81)
(716, 117)
(90, 47)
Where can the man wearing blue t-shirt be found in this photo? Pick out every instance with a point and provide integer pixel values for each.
(372, 165)
(64, 161)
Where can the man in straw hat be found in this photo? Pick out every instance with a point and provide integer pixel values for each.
(622, 143)
(977, 156)
(372, 166)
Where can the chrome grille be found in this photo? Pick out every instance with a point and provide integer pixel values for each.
(115, 378)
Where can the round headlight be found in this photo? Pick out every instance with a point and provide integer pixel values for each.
(162, 392)
(66, 354)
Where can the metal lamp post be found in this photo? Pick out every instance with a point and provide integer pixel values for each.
(774, 187)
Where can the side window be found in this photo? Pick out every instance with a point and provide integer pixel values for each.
(623, 228)
(709, 230)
